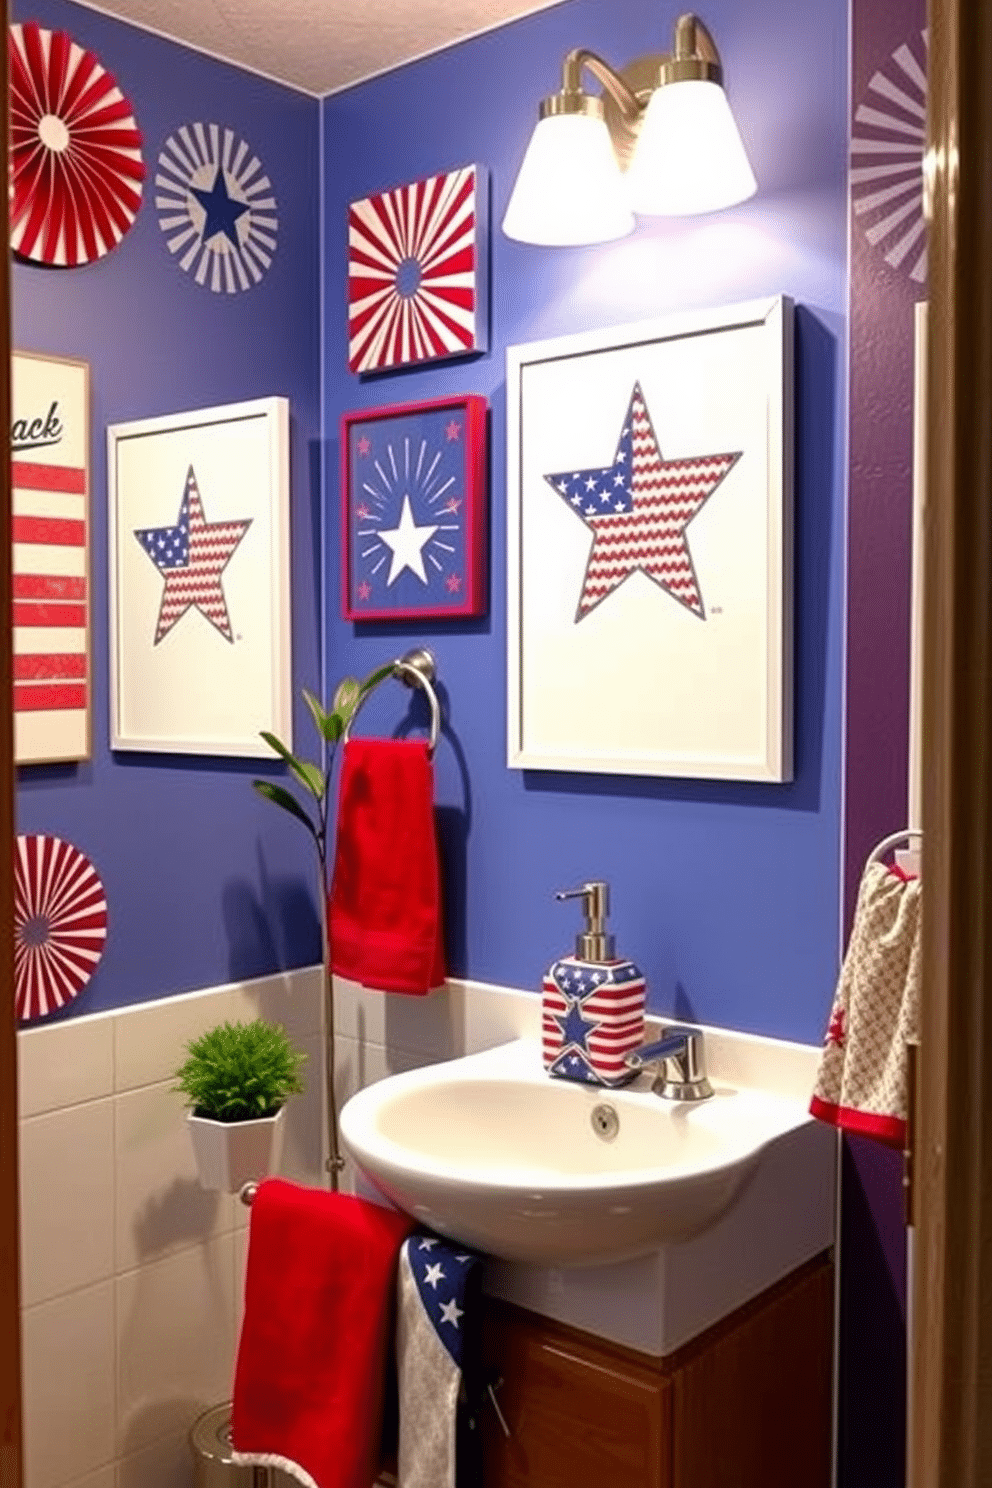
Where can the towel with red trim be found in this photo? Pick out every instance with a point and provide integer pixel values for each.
(862, 1082)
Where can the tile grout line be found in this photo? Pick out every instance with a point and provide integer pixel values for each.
(92, 1100)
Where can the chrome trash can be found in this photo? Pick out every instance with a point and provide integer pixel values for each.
(213, 1463)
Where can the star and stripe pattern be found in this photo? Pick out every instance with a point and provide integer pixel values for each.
(417, 272)
(60, 924)
(591, 1019)
(76, 169)
(888, 139)
(191, 557)
(638, 509)
(217, 208)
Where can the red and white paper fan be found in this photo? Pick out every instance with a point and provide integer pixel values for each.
(60, 924)
(76, 170)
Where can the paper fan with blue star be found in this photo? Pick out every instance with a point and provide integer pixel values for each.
(216, 207)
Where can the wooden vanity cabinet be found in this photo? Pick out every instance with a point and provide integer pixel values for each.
(581, 1413)
(745, 1405)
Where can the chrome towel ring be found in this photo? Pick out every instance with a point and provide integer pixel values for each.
(881, 848)
(415, 668)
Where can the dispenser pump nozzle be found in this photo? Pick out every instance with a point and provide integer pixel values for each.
(593, 943)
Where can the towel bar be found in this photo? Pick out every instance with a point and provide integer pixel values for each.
(415, 668)
(880, 848)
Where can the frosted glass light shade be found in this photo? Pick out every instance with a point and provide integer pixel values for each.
(689, 156)
(569, 189)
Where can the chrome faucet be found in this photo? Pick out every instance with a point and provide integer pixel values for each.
(677, 1058)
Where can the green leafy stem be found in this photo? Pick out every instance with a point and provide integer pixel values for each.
(313, 813)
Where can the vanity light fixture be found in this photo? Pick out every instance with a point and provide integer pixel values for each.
(660, 140)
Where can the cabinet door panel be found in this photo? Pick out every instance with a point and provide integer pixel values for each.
(575, 1421)
(752, 1409)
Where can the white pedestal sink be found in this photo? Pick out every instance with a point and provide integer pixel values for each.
(484, 1146)
(489, 1150)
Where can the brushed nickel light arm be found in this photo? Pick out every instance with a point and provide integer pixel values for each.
(574, 100)
(694, 58)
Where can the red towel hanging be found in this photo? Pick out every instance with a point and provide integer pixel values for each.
(384, 911)
(320, 1293)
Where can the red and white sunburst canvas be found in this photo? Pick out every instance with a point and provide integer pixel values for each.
(417, 272)
(60, 924)
(76, 170)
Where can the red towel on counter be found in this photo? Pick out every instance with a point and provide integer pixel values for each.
(384, 911)
(320, 1294)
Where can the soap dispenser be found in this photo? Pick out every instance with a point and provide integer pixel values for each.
(593, 1003)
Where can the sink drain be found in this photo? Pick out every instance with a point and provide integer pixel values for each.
(605, 1121)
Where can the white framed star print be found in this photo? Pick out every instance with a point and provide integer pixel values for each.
(199, 580)
(413, 483)
(649, 563)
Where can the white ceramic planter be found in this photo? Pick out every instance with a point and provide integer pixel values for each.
(230, 1154)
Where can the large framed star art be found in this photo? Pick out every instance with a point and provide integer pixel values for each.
(650, 547)
(199, 580)
(413, 482)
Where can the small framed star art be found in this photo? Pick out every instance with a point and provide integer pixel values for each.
(650, 547)
(413, 481)
(199, 580)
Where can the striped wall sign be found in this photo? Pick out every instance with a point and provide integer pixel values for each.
(50, 535)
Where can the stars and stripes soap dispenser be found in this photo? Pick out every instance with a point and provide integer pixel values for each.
(593, 1003)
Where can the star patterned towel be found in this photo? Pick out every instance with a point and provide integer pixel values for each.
(436, 1364)
(320, 1292)
(862, 1080)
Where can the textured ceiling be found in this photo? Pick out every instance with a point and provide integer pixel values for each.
(318, 45)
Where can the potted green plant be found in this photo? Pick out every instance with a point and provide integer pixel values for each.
(236, 1079)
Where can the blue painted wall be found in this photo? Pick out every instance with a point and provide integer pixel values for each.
(726, 894)
(205, 882)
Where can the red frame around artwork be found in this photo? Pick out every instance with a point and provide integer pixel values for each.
(473, 599)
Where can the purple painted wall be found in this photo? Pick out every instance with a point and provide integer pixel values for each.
(887, 278)
(205, 882)
(887, 246)
(726, 894)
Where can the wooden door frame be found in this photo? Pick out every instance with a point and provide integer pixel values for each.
(11, 1450)
(951, 1426)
